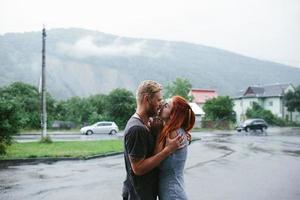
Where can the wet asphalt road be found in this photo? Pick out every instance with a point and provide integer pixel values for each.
(219, 167)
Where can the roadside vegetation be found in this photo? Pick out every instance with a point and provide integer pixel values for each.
(20, 110)
(258, 112)
(292, 102)
(219, 113)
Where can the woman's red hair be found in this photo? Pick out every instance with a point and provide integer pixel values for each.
(181, 116)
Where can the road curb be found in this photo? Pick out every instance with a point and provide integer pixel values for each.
(53, 159)
(103, 155)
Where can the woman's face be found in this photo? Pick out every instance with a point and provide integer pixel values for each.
(166, 110)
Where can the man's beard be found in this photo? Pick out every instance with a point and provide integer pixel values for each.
(152, 111)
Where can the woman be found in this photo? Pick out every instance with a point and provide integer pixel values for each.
(179, 119)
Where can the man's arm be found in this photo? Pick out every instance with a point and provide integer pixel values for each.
(142, 166)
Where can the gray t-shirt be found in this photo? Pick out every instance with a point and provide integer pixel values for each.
(171, 179)
(139, 143)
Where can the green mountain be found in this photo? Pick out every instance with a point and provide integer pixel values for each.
(82, 62)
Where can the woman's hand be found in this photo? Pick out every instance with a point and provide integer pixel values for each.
(156, 123)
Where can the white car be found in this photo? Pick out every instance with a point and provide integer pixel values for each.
(100, 127)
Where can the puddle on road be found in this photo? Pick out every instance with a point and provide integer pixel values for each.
(109, 165)
(42, 176)
(256, 149)
(292, 152)
(223, 150)
(52, 189)
(218, 146)
(209, 161)
(222, 140)
(80, 170)
(6, 187)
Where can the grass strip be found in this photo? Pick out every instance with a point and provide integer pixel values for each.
(76, 149)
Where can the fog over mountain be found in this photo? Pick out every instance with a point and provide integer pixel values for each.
(83, 62)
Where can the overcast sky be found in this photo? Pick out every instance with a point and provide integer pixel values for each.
(265, 29)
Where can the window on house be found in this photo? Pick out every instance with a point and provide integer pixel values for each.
(270, 103)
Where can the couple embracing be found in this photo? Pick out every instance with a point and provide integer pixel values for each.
(156, 147)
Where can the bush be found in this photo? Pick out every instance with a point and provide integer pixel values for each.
(27, 98)
(95, 117)
(2, 148)
(279, 122)
(179, 87)
(120, 106)
(219, 108)
(258, 112)
(10, 122)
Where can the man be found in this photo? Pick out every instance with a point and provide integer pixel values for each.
(142, 175)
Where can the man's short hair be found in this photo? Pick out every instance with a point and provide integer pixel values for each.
(147, 87)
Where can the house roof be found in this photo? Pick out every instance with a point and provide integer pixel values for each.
(196, 109)
(274, 90)
(202, 95)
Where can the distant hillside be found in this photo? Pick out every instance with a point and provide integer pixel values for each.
(83, 62)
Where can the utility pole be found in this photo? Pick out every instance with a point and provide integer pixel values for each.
(43, 82)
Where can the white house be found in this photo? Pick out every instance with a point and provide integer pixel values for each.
(199, 113)
(270, 97)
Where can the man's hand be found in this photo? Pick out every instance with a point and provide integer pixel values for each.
(189, 137)
(175, 143)
(142, 166)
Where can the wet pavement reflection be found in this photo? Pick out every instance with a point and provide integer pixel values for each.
(219, 166)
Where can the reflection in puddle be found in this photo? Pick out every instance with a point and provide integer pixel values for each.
(257, 149)
(292, 152)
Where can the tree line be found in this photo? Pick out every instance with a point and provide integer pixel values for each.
(117, 106)
(20, 108)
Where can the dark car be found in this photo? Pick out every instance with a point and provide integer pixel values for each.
(252, 124)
